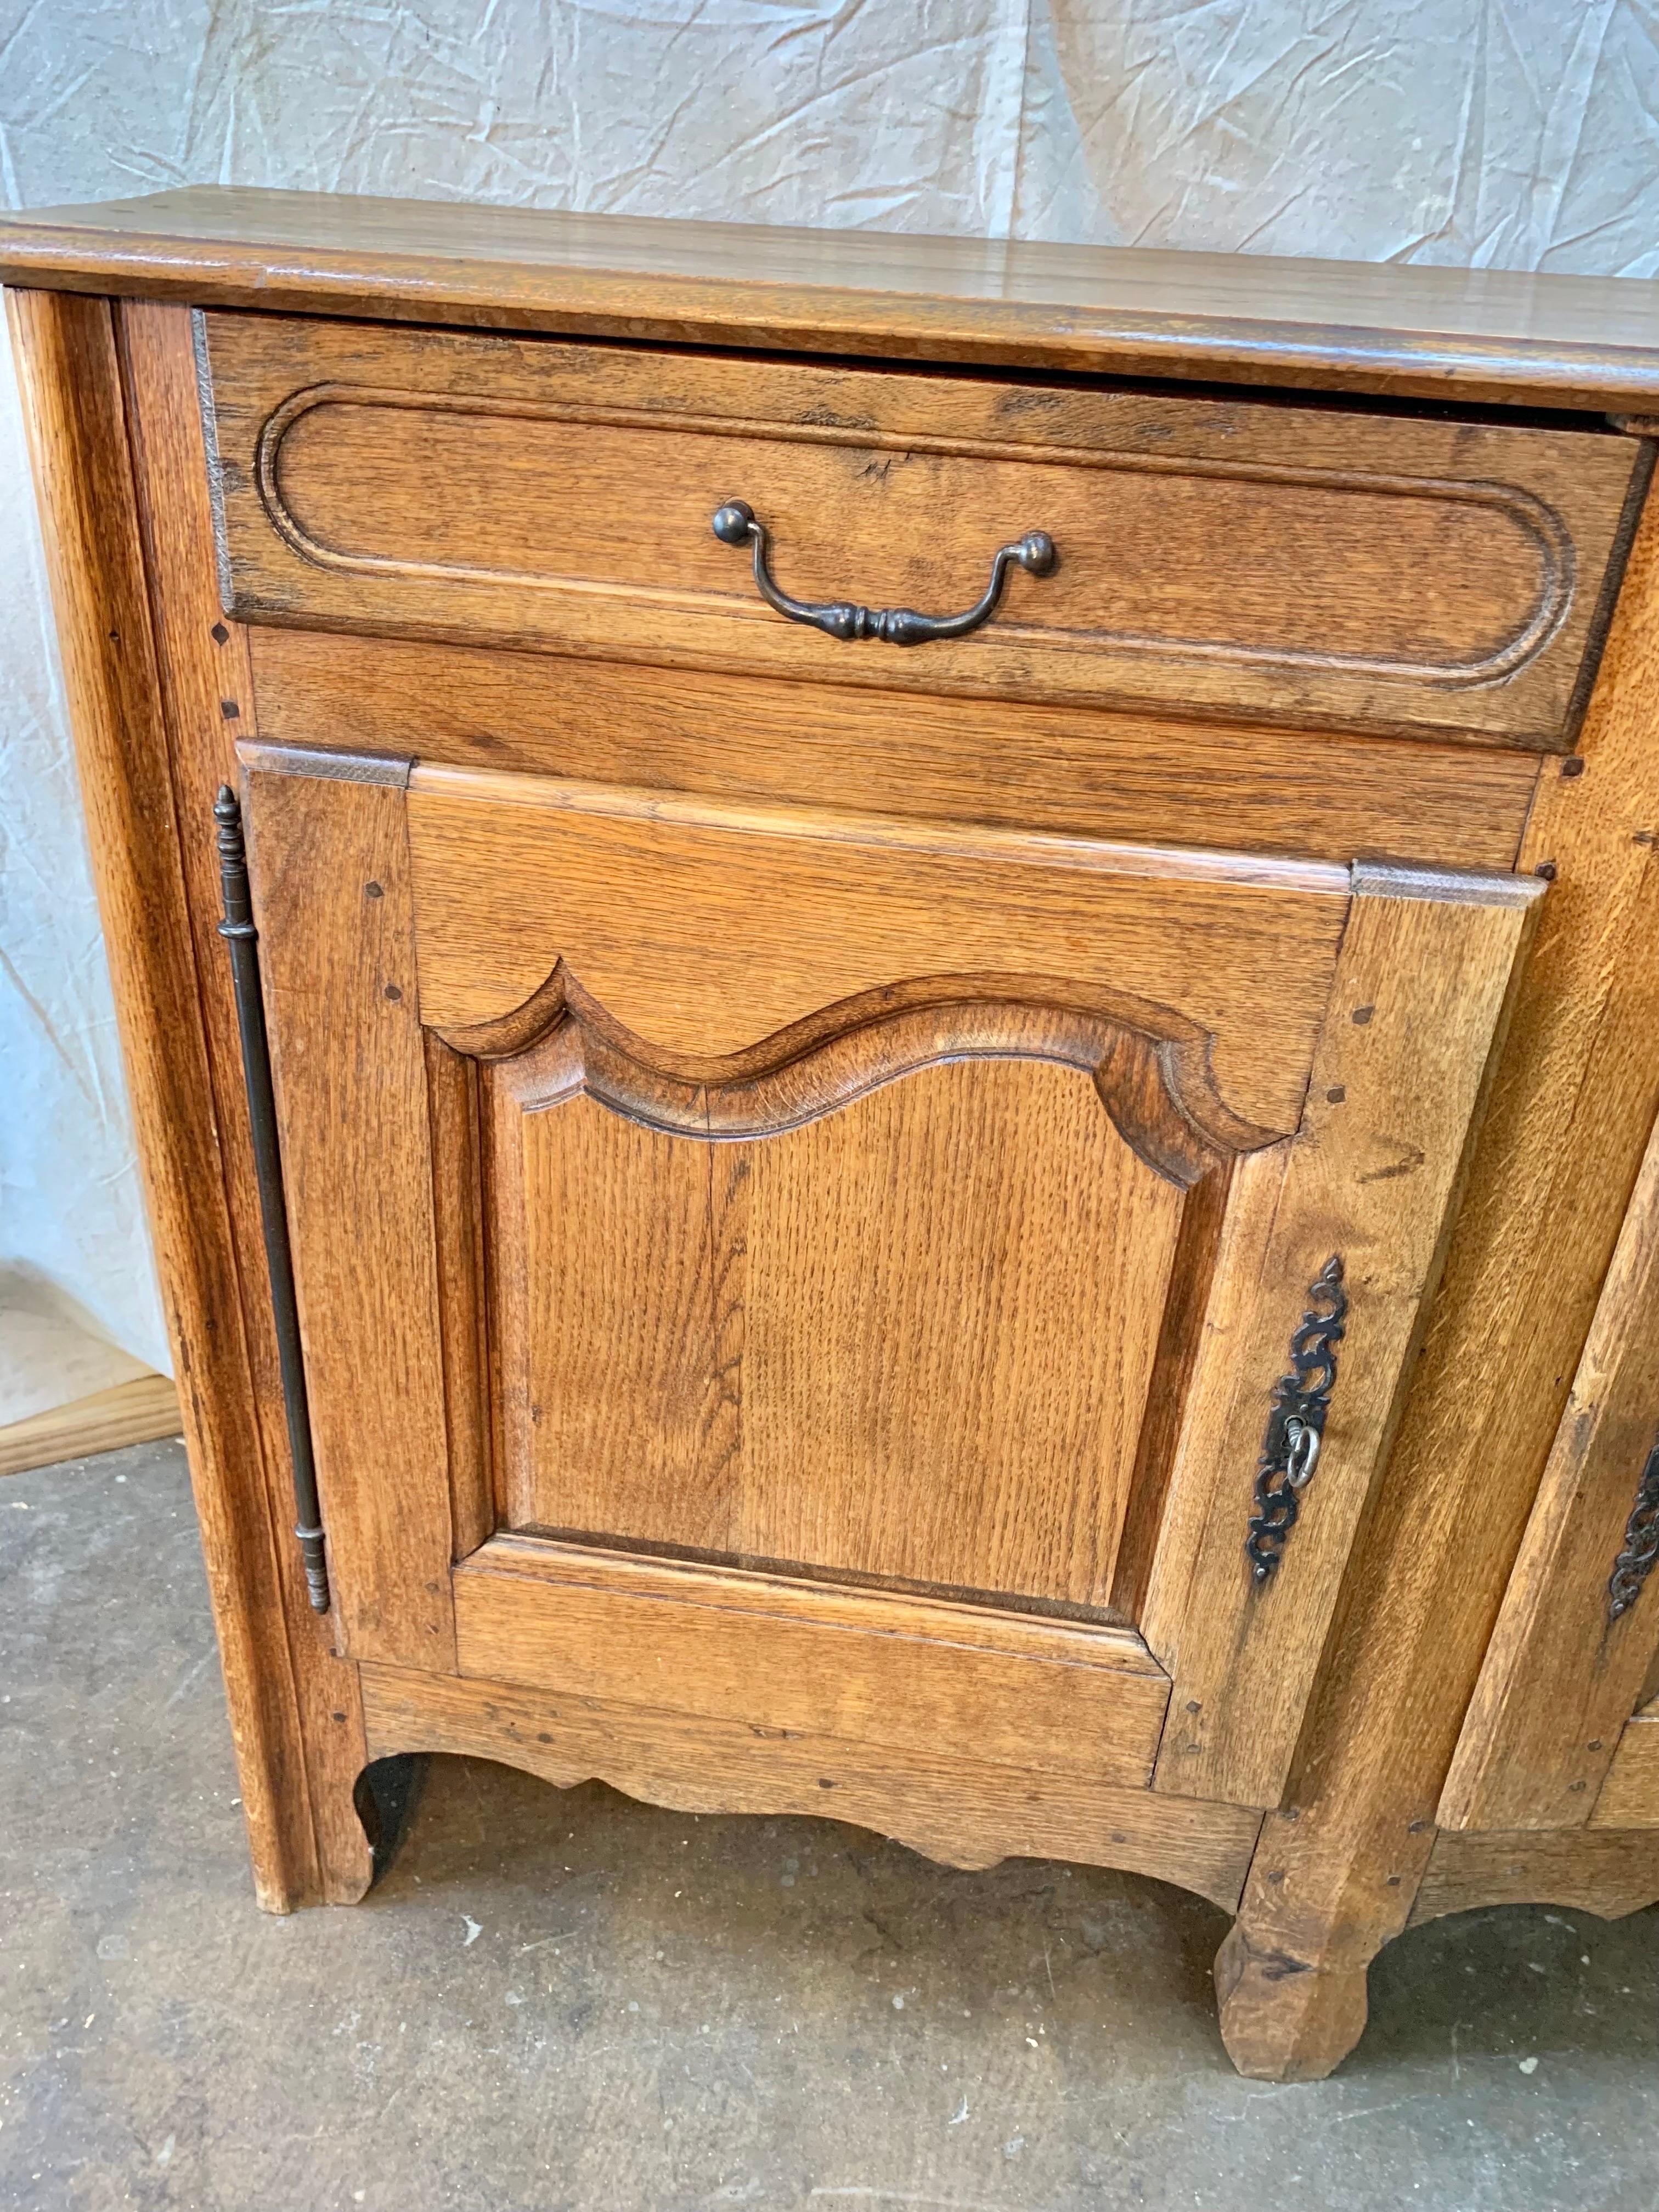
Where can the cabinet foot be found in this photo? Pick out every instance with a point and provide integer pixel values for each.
(1285, 2018)
(335, 1829)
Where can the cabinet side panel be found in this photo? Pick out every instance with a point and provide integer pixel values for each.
(75, 415)
(208, 697)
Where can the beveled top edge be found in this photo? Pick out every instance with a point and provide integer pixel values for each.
(832, 826)
(1448, 886)
(1491, 335)
(334, 766)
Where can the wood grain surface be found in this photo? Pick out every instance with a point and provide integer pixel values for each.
(910, 1339)
(1163, 781)
(458, 1225)
(77, 417)
(1476, 334)
(135, 1413)
(1562, 1676)
(704, 929)
(754, 1443)
(330, 864)
(910, 1673)
(1573, 1104)
(1609, 1874)
(964, 1812)
(207, 691)
(1419, 999)
(1321, 568)
(1629, 1797)
(704, 836)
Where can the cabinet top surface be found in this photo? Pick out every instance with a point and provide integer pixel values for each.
(1491, 335)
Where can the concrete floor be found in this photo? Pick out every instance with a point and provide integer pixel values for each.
(566, 2000)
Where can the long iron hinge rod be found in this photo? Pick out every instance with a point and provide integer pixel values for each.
(240, 934)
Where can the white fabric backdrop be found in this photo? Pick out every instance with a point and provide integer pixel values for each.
(1509, 133)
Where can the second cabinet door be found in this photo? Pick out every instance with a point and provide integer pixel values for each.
(940, 1286)
(1553, 1738)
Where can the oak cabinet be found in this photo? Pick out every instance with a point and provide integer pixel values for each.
(897, 1062)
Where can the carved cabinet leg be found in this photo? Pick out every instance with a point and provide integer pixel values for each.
(1290, 1977)
(1284, 2017)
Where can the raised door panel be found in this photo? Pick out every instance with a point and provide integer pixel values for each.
(958, 1286)
(613, 1283)
(910, 1338)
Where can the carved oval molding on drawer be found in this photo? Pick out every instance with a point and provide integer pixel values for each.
(1436, 579)
(1320, 566)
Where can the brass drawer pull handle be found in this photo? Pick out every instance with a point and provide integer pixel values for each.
(1296, 1424)
(735, 524)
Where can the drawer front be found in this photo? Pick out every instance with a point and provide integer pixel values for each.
(1324, 568)
(927, 1222)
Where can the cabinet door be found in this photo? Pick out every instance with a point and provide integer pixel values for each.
(938, 1287)
(1548, 1741)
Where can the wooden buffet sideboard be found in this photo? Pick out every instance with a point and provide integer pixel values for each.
(893, 1011)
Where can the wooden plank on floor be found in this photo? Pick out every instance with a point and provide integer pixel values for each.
(135, 1413)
